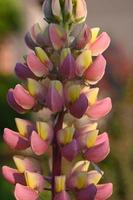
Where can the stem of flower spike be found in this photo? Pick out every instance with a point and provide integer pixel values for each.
(56, 154)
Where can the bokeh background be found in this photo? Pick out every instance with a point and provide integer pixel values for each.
(115, 17)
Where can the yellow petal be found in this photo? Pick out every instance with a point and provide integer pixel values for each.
(94, 33)
(41, 54)
(19, 163)
(91, 138)
(92, 95)
(42, 129)
(31, 179)
(34, 87)
(81, 180)
(94, 177)
(74, 92)
(60, 183)
(81, 165)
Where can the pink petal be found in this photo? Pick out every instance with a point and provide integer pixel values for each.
(25, 193)
(104, 191)
(68, 67)
(78, 108)
(12, 175)
(23, 72)
(100, 109)
(100, 151)
(87, 193)
(96, 71)
(70, 150)
(62, 196)
(11, 101)
(36, 66)
(100, 45)
(53, 100)
(38, 145)
(14, 140)
(23, 98)
(57, 36)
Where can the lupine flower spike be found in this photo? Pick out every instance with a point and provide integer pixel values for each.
(59, 75)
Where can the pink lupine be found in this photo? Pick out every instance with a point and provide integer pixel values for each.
(58, 75)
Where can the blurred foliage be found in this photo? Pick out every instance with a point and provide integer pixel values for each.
(10, 17)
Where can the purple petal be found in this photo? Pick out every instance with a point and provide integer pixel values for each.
(14, 140)
(78, 108)
(23, 72)
(62, 196)
(53, 100)
(68, 67)
(23, 98)
(104, 191)
(25, 193)
(38, 145)
(29, 41)
(11, 101)
(87, 193)
(101, 149)
(70, 150)
(13, 176)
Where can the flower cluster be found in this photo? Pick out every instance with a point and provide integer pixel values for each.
(59, 75)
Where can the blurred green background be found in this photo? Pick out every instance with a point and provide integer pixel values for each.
(115, 17)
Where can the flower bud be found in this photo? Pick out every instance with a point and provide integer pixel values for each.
(83, 38)
(57, 35)
(56, 10)
(68, 11)
(80, 13)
